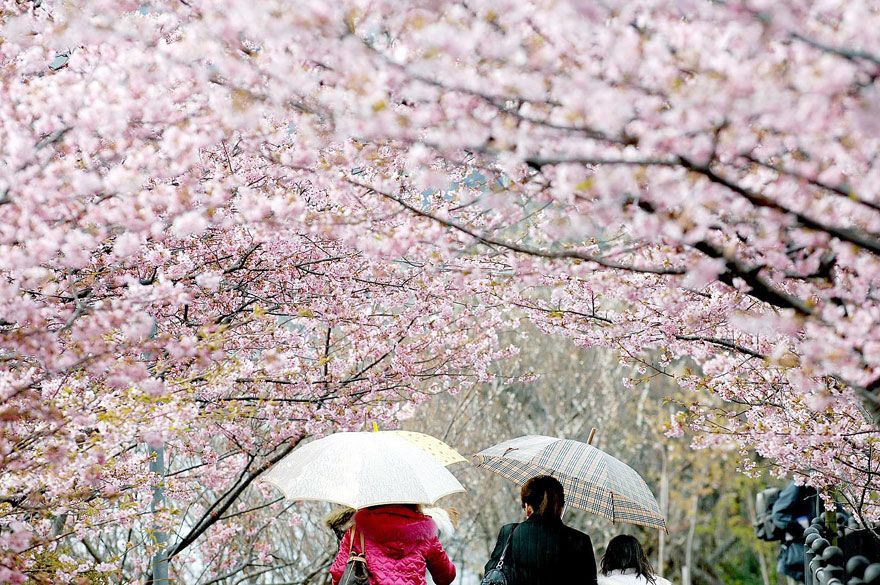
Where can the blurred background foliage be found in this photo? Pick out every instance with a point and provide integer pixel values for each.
(550, 387)
(553, 387)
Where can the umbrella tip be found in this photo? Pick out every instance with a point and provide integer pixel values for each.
(375, 427)
(592, 434)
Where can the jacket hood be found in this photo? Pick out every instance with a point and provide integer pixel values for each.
(395, 523)
(444, 522)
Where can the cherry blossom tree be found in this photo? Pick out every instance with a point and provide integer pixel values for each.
(225, 226)
(699, 175)
(173, 293)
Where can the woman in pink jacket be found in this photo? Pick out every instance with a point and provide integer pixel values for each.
(400, 542)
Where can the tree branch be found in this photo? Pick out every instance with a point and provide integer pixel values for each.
(761, 289)
(725, 343)
(217, 509)
(841, 190)
(513, 247)
(853, 55)
(758, 200)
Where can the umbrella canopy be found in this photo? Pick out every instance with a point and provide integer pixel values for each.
(363, 469)
(593, 480)
(436, 448)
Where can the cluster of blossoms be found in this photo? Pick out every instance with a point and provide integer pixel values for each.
(174, 283)
(226, 225)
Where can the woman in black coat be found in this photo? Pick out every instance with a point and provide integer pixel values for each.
(543, 550)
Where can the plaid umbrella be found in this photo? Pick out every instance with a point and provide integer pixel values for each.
(593, 480)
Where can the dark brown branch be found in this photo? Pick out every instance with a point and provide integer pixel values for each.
(265, 399)
(536, 162)
(844, 234)
(91, 550)
(725, 343)
(761, 289)
(254, 509)
(874, 385)
(759, 200)
(853, 55)
(841, 190)
(327, 352)
(216, 510)
(243, 260)
(500, 101)
(514, 247)
(564, 312)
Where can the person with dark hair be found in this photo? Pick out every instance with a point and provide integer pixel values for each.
(542, 550)
(625, 563)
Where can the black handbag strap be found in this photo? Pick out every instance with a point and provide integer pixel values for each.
(504, 550)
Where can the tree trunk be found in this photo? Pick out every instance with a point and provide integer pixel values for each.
(664, 509)
(159, 573)
(687, 570)
(753, 517)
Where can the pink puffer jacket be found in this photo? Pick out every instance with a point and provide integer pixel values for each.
(400, 544)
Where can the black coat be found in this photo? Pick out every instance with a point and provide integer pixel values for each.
(794, 503)
(545, 551)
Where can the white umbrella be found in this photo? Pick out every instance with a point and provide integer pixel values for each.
(363, 469)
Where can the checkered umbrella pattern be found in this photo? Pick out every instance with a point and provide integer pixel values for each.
(593, 480)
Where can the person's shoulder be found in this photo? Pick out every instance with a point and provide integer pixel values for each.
(508, 528)
(577, 535)
(627, 578)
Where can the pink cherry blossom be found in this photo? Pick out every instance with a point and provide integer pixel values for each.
(226, 226)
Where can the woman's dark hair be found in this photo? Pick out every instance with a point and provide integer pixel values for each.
(624, 552)
(545, 495)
